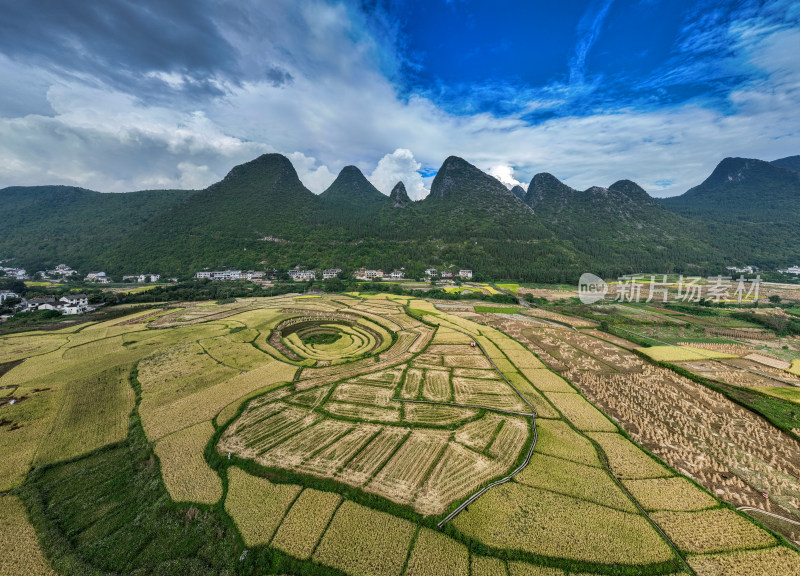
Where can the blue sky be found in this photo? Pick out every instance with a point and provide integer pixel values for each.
(123, 95)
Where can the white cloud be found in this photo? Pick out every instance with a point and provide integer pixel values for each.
(398, 166)
(316, 178)
(505, 174)
(339, 109)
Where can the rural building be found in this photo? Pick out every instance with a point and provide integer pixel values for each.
(466, 274)
(6, 294)
(397, 275)
(302, 275)
(99, 277)
(331, 273)
(430, 272)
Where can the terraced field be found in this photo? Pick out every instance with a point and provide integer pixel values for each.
(346, 435)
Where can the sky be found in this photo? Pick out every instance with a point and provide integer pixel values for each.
(122, 95)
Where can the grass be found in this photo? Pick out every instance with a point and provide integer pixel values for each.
(510, 287)
(788, 394)
(795, 368)
(256, 505)
(186, 474)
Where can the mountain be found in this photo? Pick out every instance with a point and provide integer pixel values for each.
(47, 225)
(744, 190)
(352, 191)
(261, 215)
(790, 162)
(750, 209)
(399, 197)
(621, 225)
(519, 192)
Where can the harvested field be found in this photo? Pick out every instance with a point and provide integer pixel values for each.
(336, 455)
(770, 361)
(478, 434)
(489, 393)
(437, 386)
(361, 412)
(511, 516)
(711, 531)
(435, 554)
(186, 474)
(363, 466)
(363, 542)
(402, 475)
(233, 353)
(359, 394)
(795, 368)
(472, 361)
(436, 414)
(305, 523)
(257, 505)
(674, 494)
(292, 452)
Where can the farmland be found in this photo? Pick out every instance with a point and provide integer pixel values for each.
(334, 435)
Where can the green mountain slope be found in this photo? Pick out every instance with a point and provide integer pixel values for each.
(48, 225)
(261, 215)
(621, 227)
(790, 163)
(743, 190)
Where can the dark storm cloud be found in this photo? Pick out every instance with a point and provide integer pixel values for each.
(123, 42)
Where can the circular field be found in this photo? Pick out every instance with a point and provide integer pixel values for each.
(326, 340)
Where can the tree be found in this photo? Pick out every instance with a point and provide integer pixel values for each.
(775, 299)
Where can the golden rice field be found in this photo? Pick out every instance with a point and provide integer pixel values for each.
(682, 353)
(364, 542)
(187, 476)
(20, 554)
(347, 438)
(257, 505)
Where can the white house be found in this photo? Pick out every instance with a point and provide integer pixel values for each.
(99, 277)
(80, 300)
(397, 275)
(446, 274)
(331, 273)
(41, 304)
(203, 275)
(302, 275)
(6, 294)
(466, 274)
(430, 272)
(791, 270)
(366, 274)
